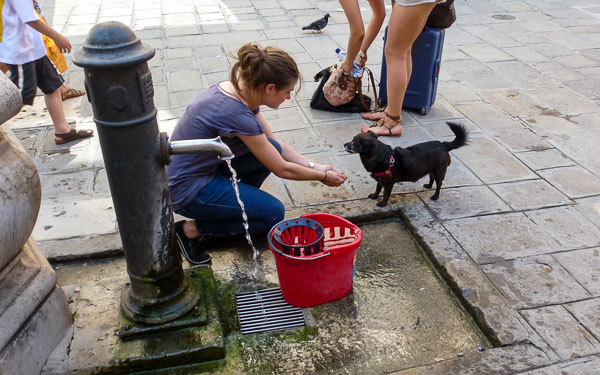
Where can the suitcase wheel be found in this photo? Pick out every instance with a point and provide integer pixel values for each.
(423, 111)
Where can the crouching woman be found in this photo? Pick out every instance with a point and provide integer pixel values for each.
(200, 185)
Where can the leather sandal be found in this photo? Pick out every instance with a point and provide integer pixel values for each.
(73, 135)
(372, 112)
(381, 123)
(71, 93)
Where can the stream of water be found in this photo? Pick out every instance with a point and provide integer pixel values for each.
(244, 216)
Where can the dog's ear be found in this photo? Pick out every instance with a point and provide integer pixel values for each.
(366, 145)
(370, 132)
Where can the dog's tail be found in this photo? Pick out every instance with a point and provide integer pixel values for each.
(462, 136)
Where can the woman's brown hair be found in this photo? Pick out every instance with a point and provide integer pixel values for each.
(258, 67)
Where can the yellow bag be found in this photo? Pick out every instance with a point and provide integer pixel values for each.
(53, 52)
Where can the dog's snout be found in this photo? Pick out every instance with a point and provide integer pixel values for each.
(348, 147)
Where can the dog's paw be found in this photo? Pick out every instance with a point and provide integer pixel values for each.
(373, 196)
(434, 197)
(381, 204)
(427, 186)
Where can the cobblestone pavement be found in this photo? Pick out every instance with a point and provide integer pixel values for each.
(517, 227)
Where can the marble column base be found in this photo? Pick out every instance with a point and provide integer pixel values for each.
(34, 315)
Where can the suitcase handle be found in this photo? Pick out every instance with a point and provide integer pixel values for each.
(436, 69)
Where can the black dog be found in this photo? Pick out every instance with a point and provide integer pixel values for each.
(388, 166)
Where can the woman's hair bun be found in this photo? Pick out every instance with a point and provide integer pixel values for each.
(258, 66)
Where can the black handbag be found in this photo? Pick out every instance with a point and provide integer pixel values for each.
(360, 102)
(442, 16)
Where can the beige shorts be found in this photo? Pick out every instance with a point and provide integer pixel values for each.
(408, 3)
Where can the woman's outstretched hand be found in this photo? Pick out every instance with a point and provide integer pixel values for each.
(323, 167)
(334, 178)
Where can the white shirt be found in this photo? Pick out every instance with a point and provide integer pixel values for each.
(19, 42)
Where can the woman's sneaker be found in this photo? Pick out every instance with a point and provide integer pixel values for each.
(191, 248)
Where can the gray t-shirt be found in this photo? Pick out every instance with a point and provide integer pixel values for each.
(212, 113)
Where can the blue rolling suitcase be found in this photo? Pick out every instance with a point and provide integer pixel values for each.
(426, 58)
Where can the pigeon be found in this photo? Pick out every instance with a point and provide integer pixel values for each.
(318, 24)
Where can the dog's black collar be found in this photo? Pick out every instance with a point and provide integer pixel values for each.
(389, 170)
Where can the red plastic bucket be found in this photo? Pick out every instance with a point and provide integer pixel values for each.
(322, 277)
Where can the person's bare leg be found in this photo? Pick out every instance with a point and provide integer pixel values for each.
(406, 23)
(190, 229)
(55, 109)
(357, 32)
(63, 89)
(378, 9)
(57, 113)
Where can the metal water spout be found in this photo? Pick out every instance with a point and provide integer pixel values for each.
(193, 146)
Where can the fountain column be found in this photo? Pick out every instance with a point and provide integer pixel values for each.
(34, 315)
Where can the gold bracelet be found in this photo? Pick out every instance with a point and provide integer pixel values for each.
(325, 178)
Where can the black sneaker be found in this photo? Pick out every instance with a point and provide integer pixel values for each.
(191, 248)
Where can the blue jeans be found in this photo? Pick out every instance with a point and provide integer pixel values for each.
(216, 209)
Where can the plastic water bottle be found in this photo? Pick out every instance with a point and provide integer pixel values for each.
(356, 70)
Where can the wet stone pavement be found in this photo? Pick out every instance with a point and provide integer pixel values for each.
(516, 232)
(400, 313)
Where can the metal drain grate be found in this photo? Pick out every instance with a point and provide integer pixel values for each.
(266, 310)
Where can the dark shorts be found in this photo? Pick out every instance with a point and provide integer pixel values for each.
(39, 73)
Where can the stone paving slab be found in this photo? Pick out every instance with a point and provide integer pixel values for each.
(583, 265)
(583, 366)
(575, 181)
(484, 153)
(564, 100)
(465, 202)
(487, 116)
(586, 312)
(562, 331)
(509, 360)
(521, 140)
(83, 247)
(58, 220)
(590, 208)
(566, 226)
(529, 195)
(440, 130)
(515, 102)
(497, 237)
(543, 159)
(534, 281)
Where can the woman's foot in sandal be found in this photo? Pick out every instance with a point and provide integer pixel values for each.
(388, 126)
(70, 92)
(71, 136)
(375, 115)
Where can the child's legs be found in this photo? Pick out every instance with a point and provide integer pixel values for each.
(49, 81)
(249, 169)
(217, 211)
(55, 109)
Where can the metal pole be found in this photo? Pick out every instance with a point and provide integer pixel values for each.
(119, 86)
